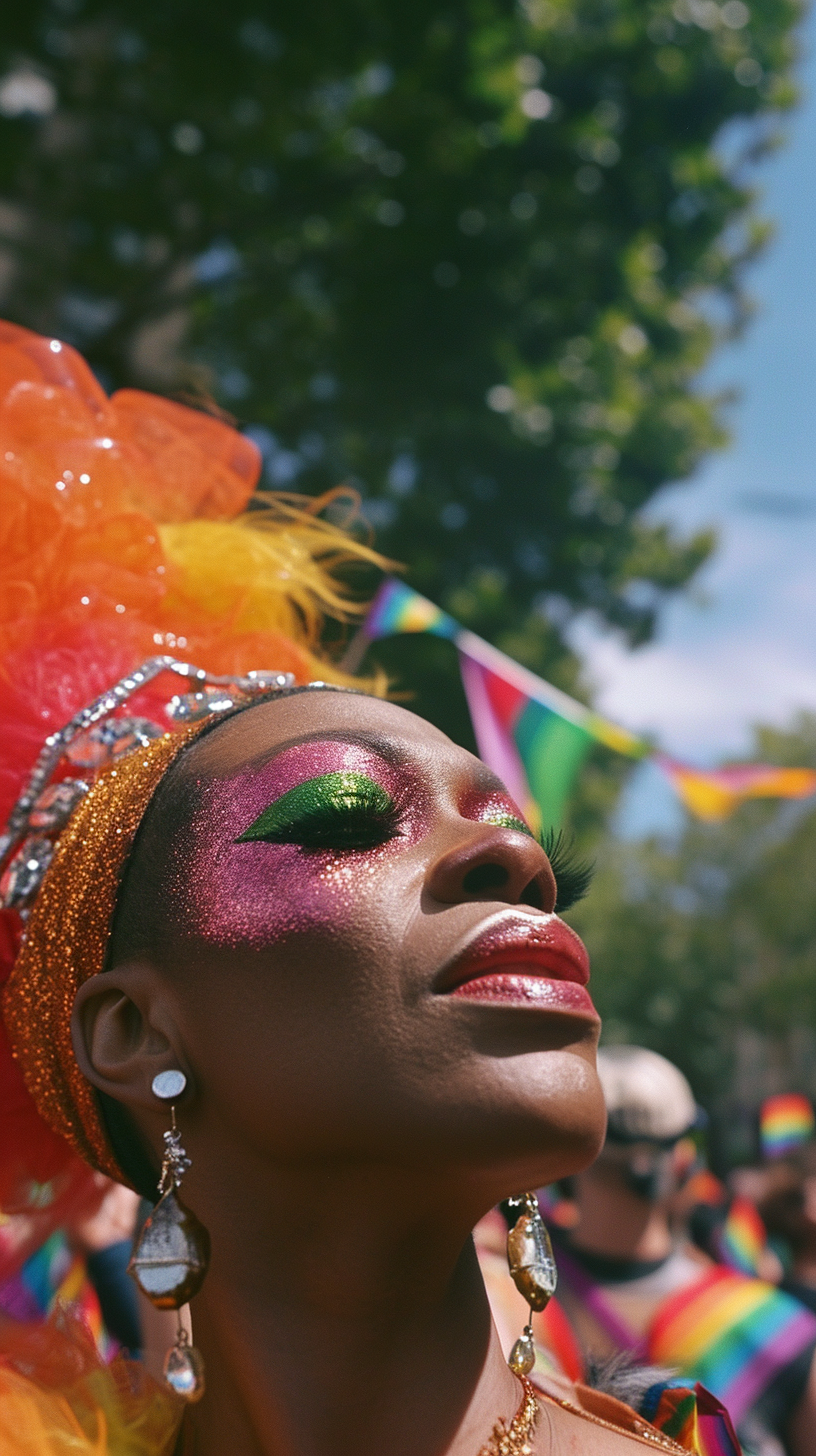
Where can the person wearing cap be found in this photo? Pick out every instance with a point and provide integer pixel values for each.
(628, 1282)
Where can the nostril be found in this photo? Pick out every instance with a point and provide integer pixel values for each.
(531, 895)
(485, 877)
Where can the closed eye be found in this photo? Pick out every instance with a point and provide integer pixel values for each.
(331, 811)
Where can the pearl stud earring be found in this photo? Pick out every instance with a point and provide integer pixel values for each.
(168, 1086)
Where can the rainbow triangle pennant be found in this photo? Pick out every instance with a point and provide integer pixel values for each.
(398, 608)
(713, 794)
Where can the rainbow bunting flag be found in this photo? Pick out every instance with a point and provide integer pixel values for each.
(713, 794)
(530, 733)
(398, 608)
(534, 748)
(785, 1122)
(535, 737)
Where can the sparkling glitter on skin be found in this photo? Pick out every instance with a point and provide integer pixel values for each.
(494, 808)
(258, 893)
(68, 930)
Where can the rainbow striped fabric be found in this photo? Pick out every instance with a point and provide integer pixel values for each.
(742, 1238)
(785, 1122)
(55, 1276)
(535, 751)
(734, 1334)
(693, 1418)
(398, 608)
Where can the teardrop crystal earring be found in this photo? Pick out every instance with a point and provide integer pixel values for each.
(532, 1265)
(171, 1257)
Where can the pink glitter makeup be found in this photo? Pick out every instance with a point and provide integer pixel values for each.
(256, 892)
(493, 807)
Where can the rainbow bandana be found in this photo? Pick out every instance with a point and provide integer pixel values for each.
(734, 1334)
(785, 1123)
(693, 1418)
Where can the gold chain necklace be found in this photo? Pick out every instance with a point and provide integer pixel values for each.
(515, 1439)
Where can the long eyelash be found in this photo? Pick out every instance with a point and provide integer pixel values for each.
(335, 827)
(326, 823)
(573, 876)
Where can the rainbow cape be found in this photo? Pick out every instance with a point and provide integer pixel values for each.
(732, 1333)
(785, 1122)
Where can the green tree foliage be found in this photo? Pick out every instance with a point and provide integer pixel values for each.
(705, 948)
(469, 256)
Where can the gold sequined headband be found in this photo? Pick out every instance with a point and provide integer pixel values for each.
(69, 844)
(66, 940)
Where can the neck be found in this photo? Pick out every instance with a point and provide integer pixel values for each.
(345, 1317)
(615, 1222)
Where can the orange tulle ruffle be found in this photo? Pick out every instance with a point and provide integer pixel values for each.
(57, 1398)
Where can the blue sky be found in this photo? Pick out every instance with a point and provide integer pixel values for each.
(741, 646)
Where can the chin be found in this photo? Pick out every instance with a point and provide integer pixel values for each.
(527, 1125)
(555, 1123)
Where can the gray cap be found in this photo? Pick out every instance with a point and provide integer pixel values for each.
(647, 1098)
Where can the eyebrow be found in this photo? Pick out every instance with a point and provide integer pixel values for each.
(377, 743)
(384, 747)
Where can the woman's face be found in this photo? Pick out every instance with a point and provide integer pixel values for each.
(363, 960)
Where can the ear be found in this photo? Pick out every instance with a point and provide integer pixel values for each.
(124, 1033)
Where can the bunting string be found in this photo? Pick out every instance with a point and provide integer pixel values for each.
(535, 737)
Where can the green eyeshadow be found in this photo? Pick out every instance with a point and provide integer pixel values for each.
(335, 810)
(507, 821)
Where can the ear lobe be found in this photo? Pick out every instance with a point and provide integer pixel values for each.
(117, 1043)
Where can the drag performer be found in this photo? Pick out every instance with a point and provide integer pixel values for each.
(289, 968)
(630, 1282)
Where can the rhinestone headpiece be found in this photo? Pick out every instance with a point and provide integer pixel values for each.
(92, 740)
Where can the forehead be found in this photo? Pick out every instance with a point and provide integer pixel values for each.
(265, 730)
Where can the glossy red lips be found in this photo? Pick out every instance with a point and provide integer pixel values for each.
(523, 960)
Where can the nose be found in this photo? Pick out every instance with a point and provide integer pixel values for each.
(491, 862)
